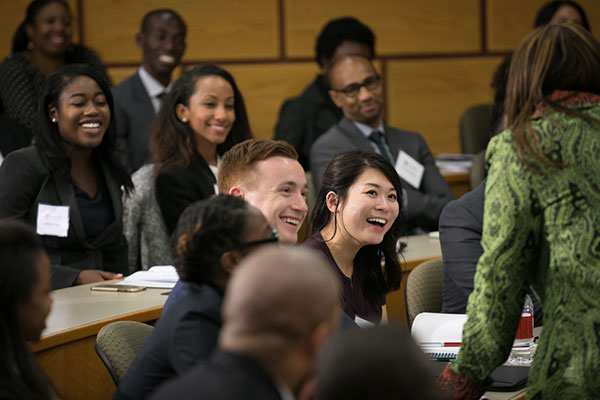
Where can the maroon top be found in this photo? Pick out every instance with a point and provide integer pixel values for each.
(354, 302)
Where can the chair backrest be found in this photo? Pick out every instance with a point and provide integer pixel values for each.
(477, 173)
(423, 289)
(475, 125)
(117, 344)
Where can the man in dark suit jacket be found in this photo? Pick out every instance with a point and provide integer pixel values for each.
(304, 118)
(268, 342)
(137, 98)
(357, 90)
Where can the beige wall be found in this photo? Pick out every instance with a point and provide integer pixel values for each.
(437, 56)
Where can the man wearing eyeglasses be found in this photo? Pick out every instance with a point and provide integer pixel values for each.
(356, 88)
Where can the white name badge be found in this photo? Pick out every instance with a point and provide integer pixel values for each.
(52, 220)
(409, 169)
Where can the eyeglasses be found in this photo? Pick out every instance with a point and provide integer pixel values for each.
(352, 90)
(274, 238)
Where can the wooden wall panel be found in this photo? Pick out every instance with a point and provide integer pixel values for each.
(401, 27)
(266, 86)
(429, 96)
(236, 29)
(117, 74)
(506, 28)
(11, 15)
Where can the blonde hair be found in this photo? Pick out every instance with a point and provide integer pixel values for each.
(237, 163)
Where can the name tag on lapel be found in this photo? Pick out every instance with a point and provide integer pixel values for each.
(409, 169)
(52, 220)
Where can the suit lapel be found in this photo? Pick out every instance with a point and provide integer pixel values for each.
(393, 141)
(141, 96)
(358, 139)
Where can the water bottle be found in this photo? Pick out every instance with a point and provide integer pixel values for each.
(523, 347)
(524, 335)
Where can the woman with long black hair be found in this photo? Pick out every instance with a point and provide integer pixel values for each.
(25, 302)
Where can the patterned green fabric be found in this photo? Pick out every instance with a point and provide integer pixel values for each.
(542, 230)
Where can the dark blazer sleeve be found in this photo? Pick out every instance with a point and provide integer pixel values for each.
(22, 177)
(426, 203)
(461, 224)
(177, 188)
(199, 329)
(135, 118)
(20, 183)
(291, 126)
(324, 148)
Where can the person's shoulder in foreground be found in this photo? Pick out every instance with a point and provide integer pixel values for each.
(263, 352)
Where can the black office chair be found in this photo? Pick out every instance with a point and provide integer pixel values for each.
(475, 128)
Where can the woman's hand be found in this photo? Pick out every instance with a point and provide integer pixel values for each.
(95, 275)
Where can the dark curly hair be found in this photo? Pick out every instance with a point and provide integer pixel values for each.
(341, 173)
(206, 230)
(339, 30)
(172, 141)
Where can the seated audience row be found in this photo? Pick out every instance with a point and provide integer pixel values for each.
(258, 351)
(211, 238)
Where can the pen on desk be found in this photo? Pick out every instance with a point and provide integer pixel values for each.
(166, 293)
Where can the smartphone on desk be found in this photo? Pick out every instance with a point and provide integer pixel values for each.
(111, 287)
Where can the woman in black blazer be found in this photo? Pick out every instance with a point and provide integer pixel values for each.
(69, 184)
(202, 117)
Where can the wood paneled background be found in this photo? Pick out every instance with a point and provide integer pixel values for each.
(437, 56)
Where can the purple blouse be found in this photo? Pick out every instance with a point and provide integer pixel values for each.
(354, 302)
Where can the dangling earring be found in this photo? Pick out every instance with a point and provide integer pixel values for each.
(30, 45)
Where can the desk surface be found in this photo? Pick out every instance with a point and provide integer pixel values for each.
(420, 248)
(78, 311)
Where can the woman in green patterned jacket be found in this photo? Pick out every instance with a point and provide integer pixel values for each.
(541, 223)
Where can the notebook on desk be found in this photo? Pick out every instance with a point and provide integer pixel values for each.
(440, 335)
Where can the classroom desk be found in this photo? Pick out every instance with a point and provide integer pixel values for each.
(420, 248)
(66, 351)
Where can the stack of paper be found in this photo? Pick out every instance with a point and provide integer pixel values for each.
(439, 335)
(160, 276)
(454, 162)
